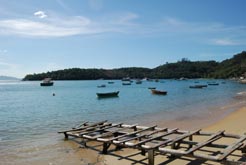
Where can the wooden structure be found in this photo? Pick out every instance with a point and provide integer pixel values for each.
(196, 144)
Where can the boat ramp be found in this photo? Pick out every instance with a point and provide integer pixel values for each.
(152, 140)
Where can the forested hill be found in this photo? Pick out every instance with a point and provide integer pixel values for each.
(234, 67)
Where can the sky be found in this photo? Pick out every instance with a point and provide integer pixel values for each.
(48, 35)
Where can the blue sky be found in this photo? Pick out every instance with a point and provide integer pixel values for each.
(41, 36)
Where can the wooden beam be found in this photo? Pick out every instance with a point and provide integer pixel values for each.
(111, 133)
(98, 123)
(153, 138)
(140, 136)
(99, 130)
(127, 134)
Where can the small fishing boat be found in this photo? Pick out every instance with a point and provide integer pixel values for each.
(108, 94)
(126, 83)
(198, 86)
(138, 82)
(101, 86)
(158, 92)
(110, 82)
(213, 83)
(243, 81)
(47, 82)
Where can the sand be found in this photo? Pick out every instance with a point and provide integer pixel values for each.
(234, 123)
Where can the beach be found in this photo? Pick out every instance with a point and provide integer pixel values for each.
(233, 123)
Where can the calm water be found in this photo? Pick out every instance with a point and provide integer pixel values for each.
(29, 112)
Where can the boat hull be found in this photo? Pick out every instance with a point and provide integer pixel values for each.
(46, 84)
(109, 94)
(157, 92)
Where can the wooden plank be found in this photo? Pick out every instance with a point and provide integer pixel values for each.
(99, 130)
(213, 138)
(71, 130)
(172, 140)
(93, 128)
(229, 150)
(80, 125)
(129, 134)
(232, 147)
(184, 136)
(140, 136)
(101, 136)
(153, 138)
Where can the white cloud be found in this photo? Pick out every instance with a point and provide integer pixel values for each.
(40, 14)
(57, 27)
(225, 42)
(61, 26)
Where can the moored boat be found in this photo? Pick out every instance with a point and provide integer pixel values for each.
(213, 83)
(126, 83)
(138, 82)
(158, 92)
(101, 86)
(108, 94)
(47, 82)
(243, 81)
(198, 86)
(110, 82)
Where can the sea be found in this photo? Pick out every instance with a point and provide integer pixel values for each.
(31, 115)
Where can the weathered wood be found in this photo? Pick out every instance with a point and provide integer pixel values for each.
(214, 137)
(151, 139)
(232, 147)
(229, 150)
(139, 136)
(98, 123)
(151, 157)
(102, 129)
(80, 125)
(105, 148)
(111, 133)
(129, 134)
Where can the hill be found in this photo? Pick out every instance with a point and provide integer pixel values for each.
(8, 78)
(234, 67)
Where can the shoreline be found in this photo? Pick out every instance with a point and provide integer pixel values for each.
(233, 122)
(71, 152)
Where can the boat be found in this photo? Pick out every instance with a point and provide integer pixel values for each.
(101, 86)
(138, 82)
(126, 79)
(151, 87)
(243, 81)
(108, 94)
(213, 83)
(47, 82)
(198, 86)
(158, 92)
(126, 83)
(110, 82)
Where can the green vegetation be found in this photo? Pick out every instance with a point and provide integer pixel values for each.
(233, 67)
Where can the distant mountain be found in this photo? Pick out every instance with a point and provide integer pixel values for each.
(8, 78)
(233, 67)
